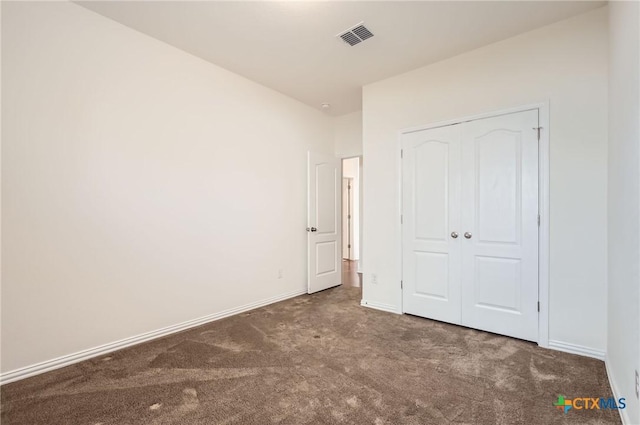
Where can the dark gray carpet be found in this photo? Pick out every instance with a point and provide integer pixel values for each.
(319, 359)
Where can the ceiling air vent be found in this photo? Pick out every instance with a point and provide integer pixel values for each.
(356, 35)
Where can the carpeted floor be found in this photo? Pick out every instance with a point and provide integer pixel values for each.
(319, 359)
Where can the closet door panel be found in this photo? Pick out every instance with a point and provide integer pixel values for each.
(499, 214)
(431, 205)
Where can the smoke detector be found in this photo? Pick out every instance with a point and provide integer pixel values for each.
(325, 106)
(356, 34)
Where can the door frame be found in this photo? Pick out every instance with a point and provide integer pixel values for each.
(543, 201)
(360, 205)
(347, 221)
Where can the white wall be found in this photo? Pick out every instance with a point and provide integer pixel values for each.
(565, 63)
(348, 135)
(0, 184)
(623, 336)
(135, 180)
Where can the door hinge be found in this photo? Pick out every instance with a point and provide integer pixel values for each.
(401, 153)
(538, 130)
(401, 219)
(538, 220)
(401, 285)
(349, 246)
(538, 306)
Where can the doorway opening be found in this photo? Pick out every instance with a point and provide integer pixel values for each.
(351, 221)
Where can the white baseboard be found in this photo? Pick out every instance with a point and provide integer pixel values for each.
(577, 349)
(380, 306)
(624, 415)
(69, 359)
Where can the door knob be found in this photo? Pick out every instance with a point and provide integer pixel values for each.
(454, 235)
(311, 229)
(467, 235)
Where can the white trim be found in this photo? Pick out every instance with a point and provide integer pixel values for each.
(69, 359)
(543, 201)
(468, 118)
(380, 306)
(624, 416)
(576, 349)
(544, 229)
(400, 252)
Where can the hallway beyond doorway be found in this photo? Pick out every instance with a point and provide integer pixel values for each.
(350, 275)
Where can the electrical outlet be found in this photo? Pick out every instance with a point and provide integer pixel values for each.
(637, 385)
(374, 278)
(280, 273)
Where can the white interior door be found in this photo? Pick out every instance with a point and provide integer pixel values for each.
(430, 207)
(324, 222)
(500, 224)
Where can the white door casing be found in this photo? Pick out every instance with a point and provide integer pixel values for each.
(500, 214)
(431, 200)
(478, 178)
(324, 222)
(347, 226)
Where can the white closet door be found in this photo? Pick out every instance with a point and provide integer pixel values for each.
(499, 224)
(431, 210)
